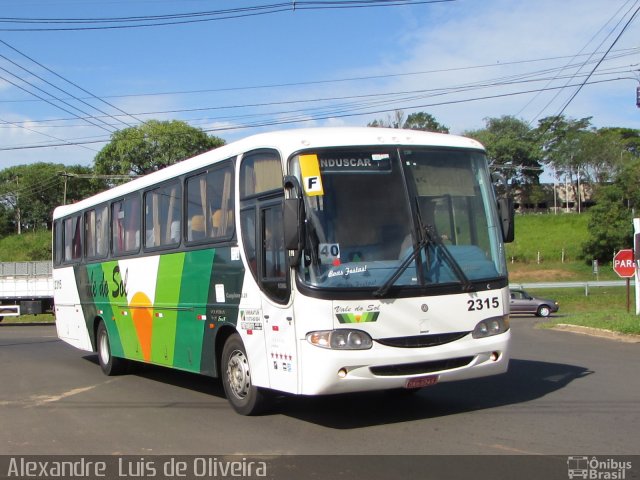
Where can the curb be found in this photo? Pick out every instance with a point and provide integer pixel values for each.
(598, 332)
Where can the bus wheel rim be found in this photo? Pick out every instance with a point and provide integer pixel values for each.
(238, 374)
(104, 349)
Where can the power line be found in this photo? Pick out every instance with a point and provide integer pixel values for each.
(49, 101)
(68, 143)
(107, 23)
(331, 115)
(581, 85)
(568, 65)
(392, 96)
(621, 53)
(52, 85)
(69, 82)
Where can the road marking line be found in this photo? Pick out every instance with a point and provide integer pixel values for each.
(40, 400)
(510, 449)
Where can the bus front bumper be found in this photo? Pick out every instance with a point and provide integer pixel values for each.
(328, 371)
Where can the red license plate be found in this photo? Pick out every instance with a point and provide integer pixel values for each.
(420, 382)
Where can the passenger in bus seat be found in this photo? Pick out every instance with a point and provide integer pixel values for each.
(216, 222)
(196, 228)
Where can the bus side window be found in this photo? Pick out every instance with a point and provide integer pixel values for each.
(272, 243)
(162, 215)
(260, 172)
(96, 232)
(102, 231)
(117, 227)
(132, 218)
(72, 239)
(248, 222)
(273, 270)
(125, 225)
(57, 242)
(210, 205)
(90, 233)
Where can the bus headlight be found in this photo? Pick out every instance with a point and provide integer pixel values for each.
(342, 339)
(491, 326)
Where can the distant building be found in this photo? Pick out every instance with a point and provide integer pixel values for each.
(553, 198)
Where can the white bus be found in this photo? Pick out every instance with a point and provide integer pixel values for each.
(313, 261)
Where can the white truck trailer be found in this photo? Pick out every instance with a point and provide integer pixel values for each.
(25, 288)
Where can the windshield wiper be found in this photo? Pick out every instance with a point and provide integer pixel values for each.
(384, 288)
(429, 237)
(434, 238)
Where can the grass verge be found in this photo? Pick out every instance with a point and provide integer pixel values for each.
(604, 307)
(42, 318)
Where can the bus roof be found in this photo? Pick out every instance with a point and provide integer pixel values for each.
(285, 142)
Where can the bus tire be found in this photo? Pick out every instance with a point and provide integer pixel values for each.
(109, 364)
(244, 397)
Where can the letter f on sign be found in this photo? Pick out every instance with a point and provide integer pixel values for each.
(313, 186)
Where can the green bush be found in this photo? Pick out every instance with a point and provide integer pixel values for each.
(32, 246)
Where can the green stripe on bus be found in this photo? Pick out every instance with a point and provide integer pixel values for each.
(194, 292)
(103, 302)
(167, 297)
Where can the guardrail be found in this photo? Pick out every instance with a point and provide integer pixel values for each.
(585, 285)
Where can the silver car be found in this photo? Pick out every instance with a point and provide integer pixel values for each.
(522, 302)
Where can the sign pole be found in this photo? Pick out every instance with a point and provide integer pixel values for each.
(628, 294)
(636, 256)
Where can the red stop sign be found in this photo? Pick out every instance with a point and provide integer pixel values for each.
(623, 263)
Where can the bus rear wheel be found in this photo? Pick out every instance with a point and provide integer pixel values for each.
(109, 364)
(244, 397)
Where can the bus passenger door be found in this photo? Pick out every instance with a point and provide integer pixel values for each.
(277, 311)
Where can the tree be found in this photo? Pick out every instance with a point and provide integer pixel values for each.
(152, 146)
(6, 220)
(629, 137)
(415, 121)
(610, 226)
(627, 180)
(425, 122)
(29, 193)
(561, 138)
(599, 155)
(512, 147)
(395, 121)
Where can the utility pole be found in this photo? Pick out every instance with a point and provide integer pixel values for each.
(18, 216)
(65, 175)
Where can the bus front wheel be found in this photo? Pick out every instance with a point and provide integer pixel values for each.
(109, 364)
(244, 397)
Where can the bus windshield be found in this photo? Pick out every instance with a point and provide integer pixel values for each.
(399, 217)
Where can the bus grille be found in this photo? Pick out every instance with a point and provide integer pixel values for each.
(420, 341)
(420, 368)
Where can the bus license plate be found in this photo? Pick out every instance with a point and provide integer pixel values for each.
(420, 382)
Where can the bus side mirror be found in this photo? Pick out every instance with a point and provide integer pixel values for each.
(507, 218)
(292, 224)
(293, 213)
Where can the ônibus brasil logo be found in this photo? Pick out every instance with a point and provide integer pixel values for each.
(597, 469)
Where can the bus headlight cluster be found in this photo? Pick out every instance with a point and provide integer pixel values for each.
(342, 339)
(491, 326)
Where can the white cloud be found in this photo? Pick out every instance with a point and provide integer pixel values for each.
(465, 33)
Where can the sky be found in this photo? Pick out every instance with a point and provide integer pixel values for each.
(247, 66)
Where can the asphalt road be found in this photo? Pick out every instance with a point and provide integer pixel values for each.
(565, 394)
